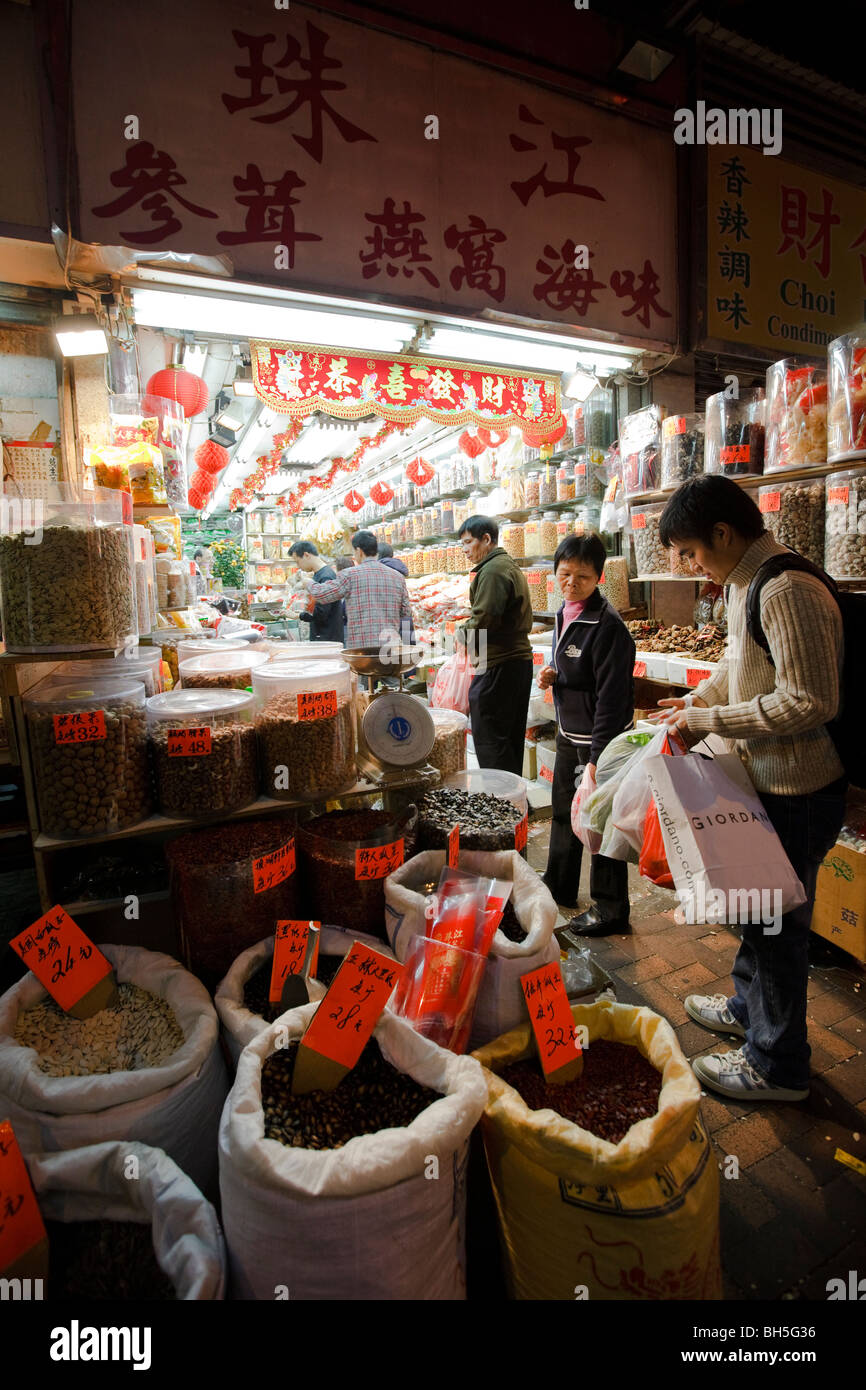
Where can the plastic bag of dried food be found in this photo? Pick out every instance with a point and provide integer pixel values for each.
(638, 1219)
(500, 998)
(610, 769)
(93, 1184)
(451, 689)
(174, 1106)
(359, 1222)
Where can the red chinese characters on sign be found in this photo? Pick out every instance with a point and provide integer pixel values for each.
(290, 949)
(563, 144)
(794, 225)
(474, 245)
(276, 867)
(396, 244)
(149, 178)
(696, 674)
(21, 1224)
(269, 211)
(550, 1014)
(643, 295)
(566, 286)
(83, 726)
(378, 861)
(61, 957)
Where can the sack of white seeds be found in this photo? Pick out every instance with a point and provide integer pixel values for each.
(500, 1005)
(383, 1217)
(173, 1105)
(133, 1182)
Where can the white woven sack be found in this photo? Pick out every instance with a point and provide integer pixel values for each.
(367, 1221)
(92, 1184)
(175, 1106)
(500, 1006)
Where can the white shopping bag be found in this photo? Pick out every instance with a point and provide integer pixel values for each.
(727, 861)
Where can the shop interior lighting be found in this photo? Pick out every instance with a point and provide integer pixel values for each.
(580, 385)
(525, 354)
(243, 386)
(645, 61)
(228, 421)
(80, 335)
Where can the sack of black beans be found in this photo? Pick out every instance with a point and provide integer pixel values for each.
(150, 1069)
(523, 942)
(113, 1193)
(241, 998)
(363, 1195)
(616, 1196)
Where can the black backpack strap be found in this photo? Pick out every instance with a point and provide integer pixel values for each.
(776, 565)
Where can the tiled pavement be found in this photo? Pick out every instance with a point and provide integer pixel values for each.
(794, 1216)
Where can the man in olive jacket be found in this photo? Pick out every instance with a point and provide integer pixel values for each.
(498, 647)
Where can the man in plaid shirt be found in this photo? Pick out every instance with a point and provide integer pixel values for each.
(377, 600)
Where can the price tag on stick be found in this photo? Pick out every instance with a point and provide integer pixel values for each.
(23, 1238)
(345, 1019)
(77, 975)
(550, 1014)
(454, 848)
(521, 832)
(295, 944)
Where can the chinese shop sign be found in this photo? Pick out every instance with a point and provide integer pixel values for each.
(786, 253)
(302, 145)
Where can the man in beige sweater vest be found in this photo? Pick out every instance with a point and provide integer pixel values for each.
(773, 714)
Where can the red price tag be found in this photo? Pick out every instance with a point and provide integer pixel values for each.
(61, 957)
(521, 832)
(612, 486)
(319, 704)
(735, 453)
(351, 1008)
(638, 521)
(770, 501)
(450, 626)
(21, 1224)
(550, 1014)
(189, 743)
(674, 424)
(86, 726)
(545, 773)
(580, 469)
(837, 497)
(290, 948)
(640, 668)
(276, 867)
(378, 861)
(694, 675)
(538, 658)
(454, 847)
(126, 508)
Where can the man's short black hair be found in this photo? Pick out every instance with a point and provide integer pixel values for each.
(480, 526)
(303, 548)
(386, 551)
(343, 562)
(586, 549)
(197, 553)
(702, 503)
(365, 541)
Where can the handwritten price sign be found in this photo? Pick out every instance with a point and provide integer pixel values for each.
(21, 1225)
(378, 861)
(640, 668)
(290, 950)
(61, 957)
(86, 726)
(454, 847)
(550, 1015)
(735, 453)
(188, 743)
(521, 832)
(276, 867)
(350, 1010)
(696, 674)
(318, 704)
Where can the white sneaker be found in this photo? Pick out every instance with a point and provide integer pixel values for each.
(732, 1075)
(711, 1011)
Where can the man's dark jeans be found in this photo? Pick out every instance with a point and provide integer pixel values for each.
(498, 705)
(771, 972)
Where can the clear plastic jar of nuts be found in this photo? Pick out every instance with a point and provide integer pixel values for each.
(306, 729)
(682, 449)
(531, 491)
(513, 537)
(548, 533)
(226, 670)
(845, 525)
(536, 579)
(203, 748)
(532, 535)
(546, 486)
(449, 748)
(651, 556)
(89, 754)
(794, 512)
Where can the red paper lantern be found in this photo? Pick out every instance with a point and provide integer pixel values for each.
(197, 498)
(211, 457)
(175, 384)
(203, 482)
(381, 494)
(354, 501)
(419, 471)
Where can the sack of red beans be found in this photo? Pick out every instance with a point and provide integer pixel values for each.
(631, 1216)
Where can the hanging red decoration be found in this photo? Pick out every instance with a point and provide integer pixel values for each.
(381, 494)
(497, 437)
(470, 445)
(354, 501)
(189, 390)
(419, 471)
(552, 438)
(203, 482)
(197, 497)
(211, 457)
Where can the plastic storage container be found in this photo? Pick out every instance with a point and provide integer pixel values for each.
(682, 449)
(190, 647)
(565, 483)
(536, 579)
(651, 556)
(153, 420)
(846, 384)
(640, 449)
(547, 542)
(614, 582)
(513, 539)
(531, 490)
(306, 728)
(449, 748)
(845, 526)
(230, 670)
(735, 433)
(794, 512)
(494, 782)
(546, 486)
(796, 416)
(89, 755)
(203, 748)
(134, 664)
(532, 535)
(343, 885)
(598, 418)
(73, 590)
(305, 651)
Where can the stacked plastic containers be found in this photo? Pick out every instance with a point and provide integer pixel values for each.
(640, 449)
(203, 747)
(796, 416)
(305, 722)
(735, 433)
(227, 670)
(846, 420)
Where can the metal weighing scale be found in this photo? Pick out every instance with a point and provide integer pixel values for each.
(395, 731)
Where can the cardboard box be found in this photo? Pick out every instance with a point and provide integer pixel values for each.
(839, 914)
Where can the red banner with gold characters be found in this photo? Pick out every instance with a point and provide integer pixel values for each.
(297, 379)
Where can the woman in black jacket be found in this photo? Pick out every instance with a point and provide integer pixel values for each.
(593, 689)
